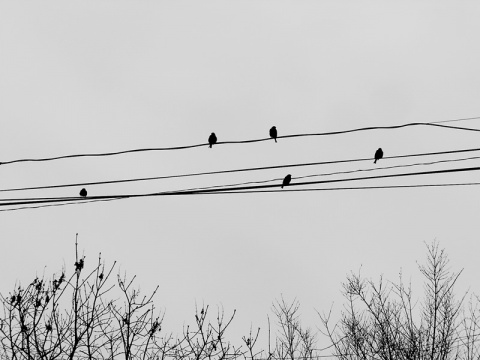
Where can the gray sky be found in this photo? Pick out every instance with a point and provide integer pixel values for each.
(89, 76)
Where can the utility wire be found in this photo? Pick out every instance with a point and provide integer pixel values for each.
(454, 120)
(83, 201)
(240, 141)
(14, 202)
(234, 170)
(255, 187)
(299, 177)
(267, 191)
(336, 173)
(54, 205)
(343, 188)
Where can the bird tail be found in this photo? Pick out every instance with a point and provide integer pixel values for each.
(275, 139)
(282, 186)
(210, 146)
(375, 161)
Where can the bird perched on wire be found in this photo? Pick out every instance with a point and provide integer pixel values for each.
(286, 180)
(212, 139)
(83, 192)
(273, 133)
(378, 155)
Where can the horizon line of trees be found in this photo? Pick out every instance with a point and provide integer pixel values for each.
(75, 316)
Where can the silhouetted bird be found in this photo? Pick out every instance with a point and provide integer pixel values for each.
(212, 139)
(273, 133)
(287, 180)
(378, 155)
(83, 192)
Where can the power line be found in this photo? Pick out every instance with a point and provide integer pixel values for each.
(443, 171)
(435, 124)
(84, 201)
(235, 170)
(390, 167)
(264, 191)
(337, 173)
(345, 188)
(54, 205)
(454, 120)
(15, 202)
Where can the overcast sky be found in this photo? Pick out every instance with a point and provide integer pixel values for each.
(90, 76)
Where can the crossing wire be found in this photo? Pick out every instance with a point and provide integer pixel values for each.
(346, 188)
(433, 124)
(222, 192)
(455, 120)
(54, 205)
(75, 201)
(340, 173)
(230, 171)
(33, 201)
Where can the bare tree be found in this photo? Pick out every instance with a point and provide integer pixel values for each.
(379, 320)
(90, 314)
(250, 343)
(469, 337)
(293, 342)
(68, 318)
(75, 317)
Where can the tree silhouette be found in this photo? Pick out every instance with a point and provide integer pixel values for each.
(293, 342)
(76, 317)
(86, 312)
(380, 320)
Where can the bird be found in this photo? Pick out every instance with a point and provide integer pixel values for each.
(212, 139)
(83, 192)
(273, 133)
(378, 155)
(287, 180)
